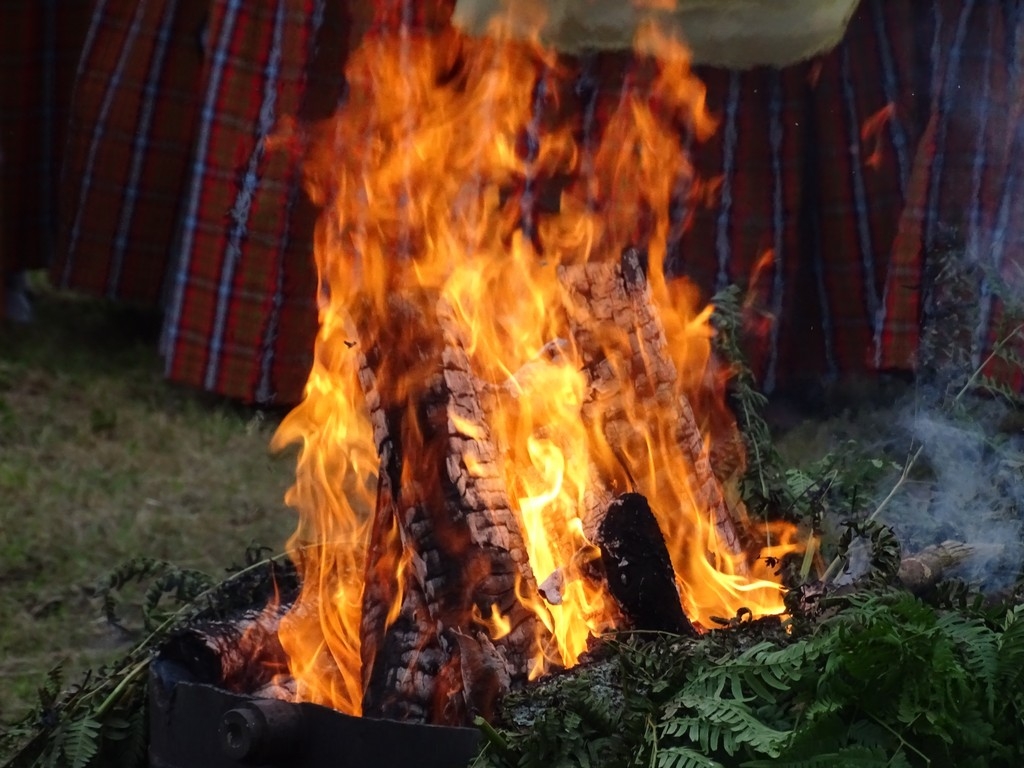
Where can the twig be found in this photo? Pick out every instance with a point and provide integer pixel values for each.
(809, 552)
(899, 736)
(996, 349)
(493, 737)
(115, 695)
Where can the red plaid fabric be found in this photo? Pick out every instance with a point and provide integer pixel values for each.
(799, 177)
(132, 124)
(849, 169)
(242, 313)
(966, 183)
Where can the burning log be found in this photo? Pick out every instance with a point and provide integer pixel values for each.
(403, 674)
(466, 557)
(630, 559)
(621, 339)
(638, 569)
(241, 654)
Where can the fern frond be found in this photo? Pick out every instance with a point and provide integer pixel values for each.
(1009, 354)
(979, 650)
(1010, 665)
(125, 740)
(80, 742)
(799, 482)
(997, 388)
(721, 723)
(50, 690)
(683, 757)
(184, 584)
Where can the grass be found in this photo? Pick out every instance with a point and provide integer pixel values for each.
(102, 460)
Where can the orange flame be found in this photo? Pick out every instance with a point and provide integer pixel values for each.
(422, 179)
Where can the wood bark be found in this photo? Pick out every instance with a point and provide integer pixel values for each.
(921, 571)
(615, 324)
(443, 508)
(466, 556)
(241, 654)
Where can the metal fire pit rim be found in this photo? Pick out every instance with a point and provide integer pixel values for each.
(187, 730)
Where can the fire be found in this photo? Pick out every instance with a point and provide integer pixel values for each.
(428, 180)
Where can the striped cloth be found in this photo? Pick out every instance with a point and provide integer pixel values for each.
(855, 171)
(851, 169)
(133, 116)
(241, 313)
(171, 197)
(813, 162)
(966, 189)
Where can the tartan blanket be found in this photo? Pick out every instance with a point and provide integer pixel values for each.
(853, 170)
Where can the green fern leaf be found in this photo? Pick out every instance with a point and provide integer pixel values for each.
(684, 757)
(979, 650)
(799, 482)
(125, 740)
(50, 690)
(722, 723)
(81, 742)
(1010, 665)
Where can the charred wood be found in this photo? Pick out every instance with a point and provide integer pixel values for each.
(638, 569)
(403, 680)
(241, 654)
(465, 552)
(617, 329)
(381, 575)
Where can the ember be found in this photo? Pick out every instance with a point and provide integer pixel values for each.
(492, 371)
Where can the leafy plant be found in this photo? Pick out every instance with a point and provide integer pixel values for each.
(102, 720)
(887, 680)
(762, 477)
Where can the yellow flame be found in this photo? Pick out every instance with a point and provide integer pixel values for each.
(496, 624)
(423, 179)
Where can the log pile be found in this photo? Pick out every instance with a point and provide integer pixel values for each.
(446, 549)
(622, 341)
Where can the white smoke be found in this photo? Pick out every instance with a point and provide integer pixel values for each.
(968, 486)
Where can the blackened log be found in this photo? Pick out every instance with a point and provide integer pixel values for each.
(441, 484)
(381, 580)
(402, 683)
(638, 569)
(241, 654)
(616, 326)
(486, 675)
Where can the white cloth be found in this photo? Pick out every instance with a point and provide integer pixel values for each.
(737, 34)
